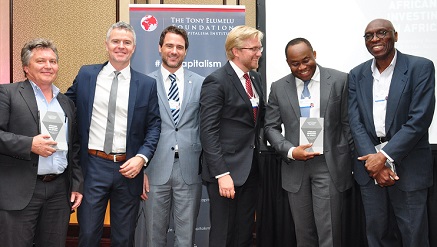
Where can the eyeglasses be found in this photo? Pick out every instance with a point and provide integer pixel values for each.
(253, 49)
(379, 34)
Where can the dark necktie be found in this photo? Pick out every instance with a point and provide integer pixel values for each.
(251, 95)
(305, 111)
(173, 94)
(109, 135)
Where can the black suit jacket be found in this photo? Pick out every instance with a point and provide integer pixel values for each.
(227, 130)
(19, 123)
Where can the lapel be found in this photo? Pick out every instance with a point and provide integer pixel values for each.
(291, 90)
(95, 70)
(233, 78)
(325, 90)
(188, 89)
(28, 96)
(67, 111)
(365, 86)
(133, 90)
(397, 86)
(162, 95)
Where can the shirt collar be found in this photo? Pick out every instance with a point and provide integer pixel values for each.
(392, 63)
(179, 73)
(36, 89)
(237, 70)
(316, 77)
(109, 71)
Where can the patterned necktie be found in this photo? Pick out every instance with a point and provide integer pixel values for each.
(109, 135)
(251, 95)
(305, 111)
(173, 94)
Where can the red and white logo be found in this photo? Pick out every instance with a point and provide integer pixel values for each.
(149, 23)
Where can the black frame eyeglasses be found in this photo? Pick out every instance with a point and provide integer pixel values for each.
(253, 49)
(379, 34)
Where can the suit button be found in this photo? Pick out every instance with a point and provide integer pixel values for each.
(176, 129)
(252, 146)
(172, 148)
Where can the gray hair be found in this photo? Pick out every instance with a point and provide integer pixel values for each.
(27, 50)
(122, 25)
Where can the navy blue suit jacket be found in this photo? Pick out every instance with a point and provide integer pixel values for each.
(410, 109)
(143, 121)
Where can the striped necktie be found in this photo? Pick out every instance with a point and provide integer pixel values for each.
(173, 95)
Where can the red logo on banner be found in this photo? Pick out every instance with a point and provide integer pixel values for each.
(149, 23)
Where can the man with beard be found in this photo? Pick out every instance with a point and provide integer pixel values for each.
(172, 181)
(231, 116)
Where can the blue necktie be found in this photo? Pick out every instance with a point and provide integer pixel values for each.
(173, 94)
(305, 111)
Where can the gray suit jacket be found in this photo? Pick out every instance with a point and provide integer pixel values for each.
(185, 134)
(283, 108)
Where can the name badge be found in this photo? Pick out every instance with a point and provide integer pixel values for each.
(306, 103)
(174, 105)
(255, 102)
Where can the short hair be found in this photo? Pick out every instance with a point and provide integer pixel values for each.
(237, 36)
(124, 26)
(27, 50)
(297, 41)
(175, 30)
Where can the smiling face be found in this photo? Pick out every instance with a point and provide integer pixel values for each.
(42, 68)
(302, 61)
(173, 51)
(120, 47)
(247, 56)
(381, 48)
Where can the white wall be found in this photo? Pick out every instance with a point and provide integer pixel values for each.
(335, 29)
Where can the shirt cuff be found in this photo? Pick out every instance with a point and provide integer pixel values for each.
(222, 175)
(290, 153)
(144, 158)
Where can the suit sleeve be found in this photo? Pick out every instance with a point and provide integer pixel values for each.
(12, 144)
(212, 100)
(153, 125)
(273, 124)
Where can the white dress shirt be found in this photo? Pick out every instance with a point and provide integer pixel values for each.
(314, 88)
(100, 109)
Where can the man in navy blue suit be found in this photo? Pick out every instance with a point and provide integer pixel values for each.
(114, 151)
(391, 105)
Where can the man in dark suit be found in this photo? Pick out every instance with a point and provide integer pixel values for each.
(174, 185)
(391, 102)
(114, 171)
(40, 177)
(231, 116)
(315, 182)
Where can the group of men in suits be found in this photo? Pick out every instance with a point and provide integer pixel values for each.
(375, 121)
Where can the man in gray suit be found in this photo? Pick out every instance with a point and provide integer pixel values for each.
(315, 182)
(172, 180)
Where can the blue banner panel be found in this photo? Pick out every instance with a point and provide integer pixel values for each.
(207, 27)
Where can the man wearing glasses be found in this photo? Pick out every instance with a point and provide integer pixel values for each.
(391, 105)
(231, 115)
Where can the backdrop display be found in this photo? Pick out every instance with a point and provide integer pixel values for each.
(335, 29)
(207, 27)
